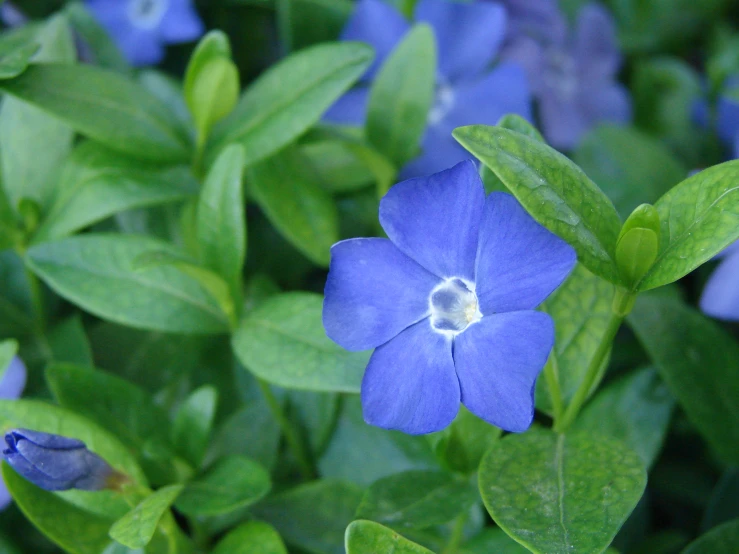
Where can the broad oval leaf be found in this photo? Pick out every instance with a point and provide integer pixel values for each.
(553, 190)
(561, 494)
(99, 273)
(253, 537)
(368, 537)
(699, 218)
(290, 97)
(104, 106)
(283, 342)
(137, 527)
(720, 540)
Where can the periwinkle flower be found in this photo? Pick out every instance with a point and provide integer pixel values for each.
(11, 387)
(468, 37)
(56, 463)
(140, 28)
(574, 77)
(720, 296)
(447, 302)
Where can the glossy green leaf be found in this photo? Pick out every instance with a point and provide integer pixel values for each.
(337, 167)
(368, 537)
(96, 183)
(635, 410)
(253, 537)
(719, 540)
(221, 226)
(87, 268)
(68, 342)
(137, 527)
(193, 423)
(232, 483)
(401, 96)
(515, 122)
(8, 349)
(283, 342)
(462, 444)
(553, 190)
(104, 106)
(290, 195)
(316, 414)
(312, 516)
(556, 493)
(683, 344)
(699, 218)
(416, 499)
(290, 97)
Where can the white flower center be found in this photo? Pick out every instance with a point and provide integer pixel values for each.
(453, 306)
(443, 103)
(146, 14)
(560, 74)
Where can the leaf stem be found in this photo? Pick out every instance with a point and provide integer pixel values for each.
(291, 435)
(453, 545)
(551, 374)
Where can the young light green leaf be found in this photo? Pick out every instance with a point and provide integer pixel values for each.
(137, 527)
(682, 344)
(193, 423)
(561, 494)
(104, 106)
(232, 483)
(368, 537)
(290, 97)
(553, 190)
(283, 342)
(253, 537)
(87, 268)
(416, 499)
(293, 200)
(720, 540)
(699, 218)
(401, 96)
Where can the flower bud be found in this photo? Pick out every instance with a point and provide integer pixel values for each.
(638, 244)
(56, 463)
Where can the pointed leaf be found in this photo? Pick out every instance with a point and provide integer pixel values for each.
(137, 527)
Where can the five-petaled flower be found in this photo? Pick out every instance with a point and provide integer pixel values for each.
(141, 27)
(448, 304)
(468, 37)
(56, 463)
(11, 386)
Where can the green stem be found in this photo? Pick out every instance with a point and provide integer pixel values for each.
(291, 434)
(551, 374)
(453, 545)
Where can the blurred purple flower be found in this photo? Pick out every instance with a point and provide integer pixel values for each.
(727, 117)
(574, 77)
(11, 386)
(468, 38)
(720, 296)
(448, 304)
(140, 28)
(540, 20)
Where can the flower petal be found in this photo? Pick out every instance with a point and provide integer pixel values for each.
(378, 24)
(497, 362)
(562, 120)
(610, 103)
(349, 109)
(596, 46)
(410, 383)
(13, 380)
(439, 151)
(434, 219)
(468, 36)
(373, 292)
(720, 297)
(519, 262)
(181, 23)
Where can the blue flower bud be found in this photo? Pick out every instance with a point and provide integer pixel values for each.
(56, 463)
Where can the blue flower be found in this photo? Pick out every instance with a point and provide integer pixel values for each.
(720, 297)
(574, 78)
(141, 27)
(468, 37)
(55, 463)
(11, 387)
(448, 304)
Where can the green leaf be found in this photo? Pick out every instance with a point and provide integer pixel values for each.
(312, 516)
(683, 344)
(15, 60)
(699, 218)
(104, 106)
(290, 97)
(337, 167)
(70, 527)
(581, 309)
(68, 342)
(558, 493)
(719, 540)
(515, 122)
(493, 540)
(8, 349)
(232, 483)
(462, 444)
(416, 499)
(368, 537)
(722, 506)
(87, 268)
(214, 44)
(293, 200)
(401, 96)
(96, 183)
(283, 342)
(30, 171)
(635, 410)
(630, 166)
(253, 537)
(553, 190)
(100, 43)
(221, 226)
(252, 432)
(137, 527)
(193, 423)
